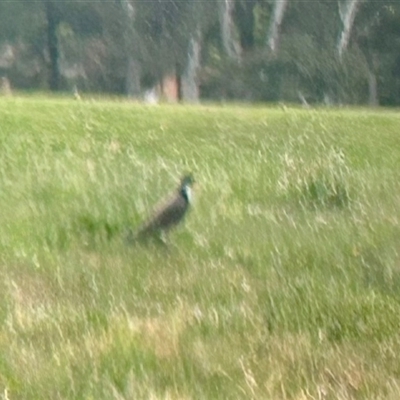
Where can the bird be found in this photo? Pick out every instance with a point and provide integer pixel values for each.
(168, 215)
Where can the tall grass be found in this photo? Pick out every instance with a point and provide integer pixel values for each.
(283, 283)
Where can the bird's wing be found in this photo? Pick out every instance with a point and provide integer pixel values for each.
(166, 215)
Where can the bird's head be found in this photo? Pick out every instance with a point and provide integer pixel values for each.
(187, 180)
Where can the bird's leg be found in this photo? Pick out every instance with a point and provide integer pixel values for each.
(129, 237)
(163, 238)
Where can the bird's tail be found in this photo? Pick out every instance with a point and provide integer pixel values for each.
(138, 236)
(130, 237)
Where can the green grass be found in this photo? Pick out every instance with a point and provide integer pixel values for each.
(283, 283)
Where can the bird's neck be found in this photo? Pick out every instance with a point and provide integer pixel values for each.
(186, 193)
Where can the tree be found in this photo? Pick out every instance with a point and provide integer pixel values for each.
(245, 23)
(347, 11)
(275, 25)
(132, 82)
(53, 19)
(190, 84)
(228, 31)
(377, 37)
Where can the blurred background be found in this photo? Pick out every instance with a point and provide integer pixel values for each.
(298, 51)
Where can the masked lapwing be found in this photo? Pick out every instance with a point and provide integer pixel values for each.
(168, 215)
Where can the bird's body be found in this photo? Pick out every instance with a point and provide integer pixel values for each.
(168, 214)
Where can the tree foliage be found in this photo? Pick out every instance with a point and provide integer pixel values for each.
(97, 45)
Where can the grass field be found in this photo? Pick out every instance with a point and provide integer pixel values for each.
(283, 283)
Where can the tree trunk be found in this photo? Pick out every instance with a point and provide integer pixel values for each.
(132, 80)
(347, 12)
(230, 44)
(132, 77)
(53, 20)
(189, 84)
(276, 22)
(245, 20)
(372, 88)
